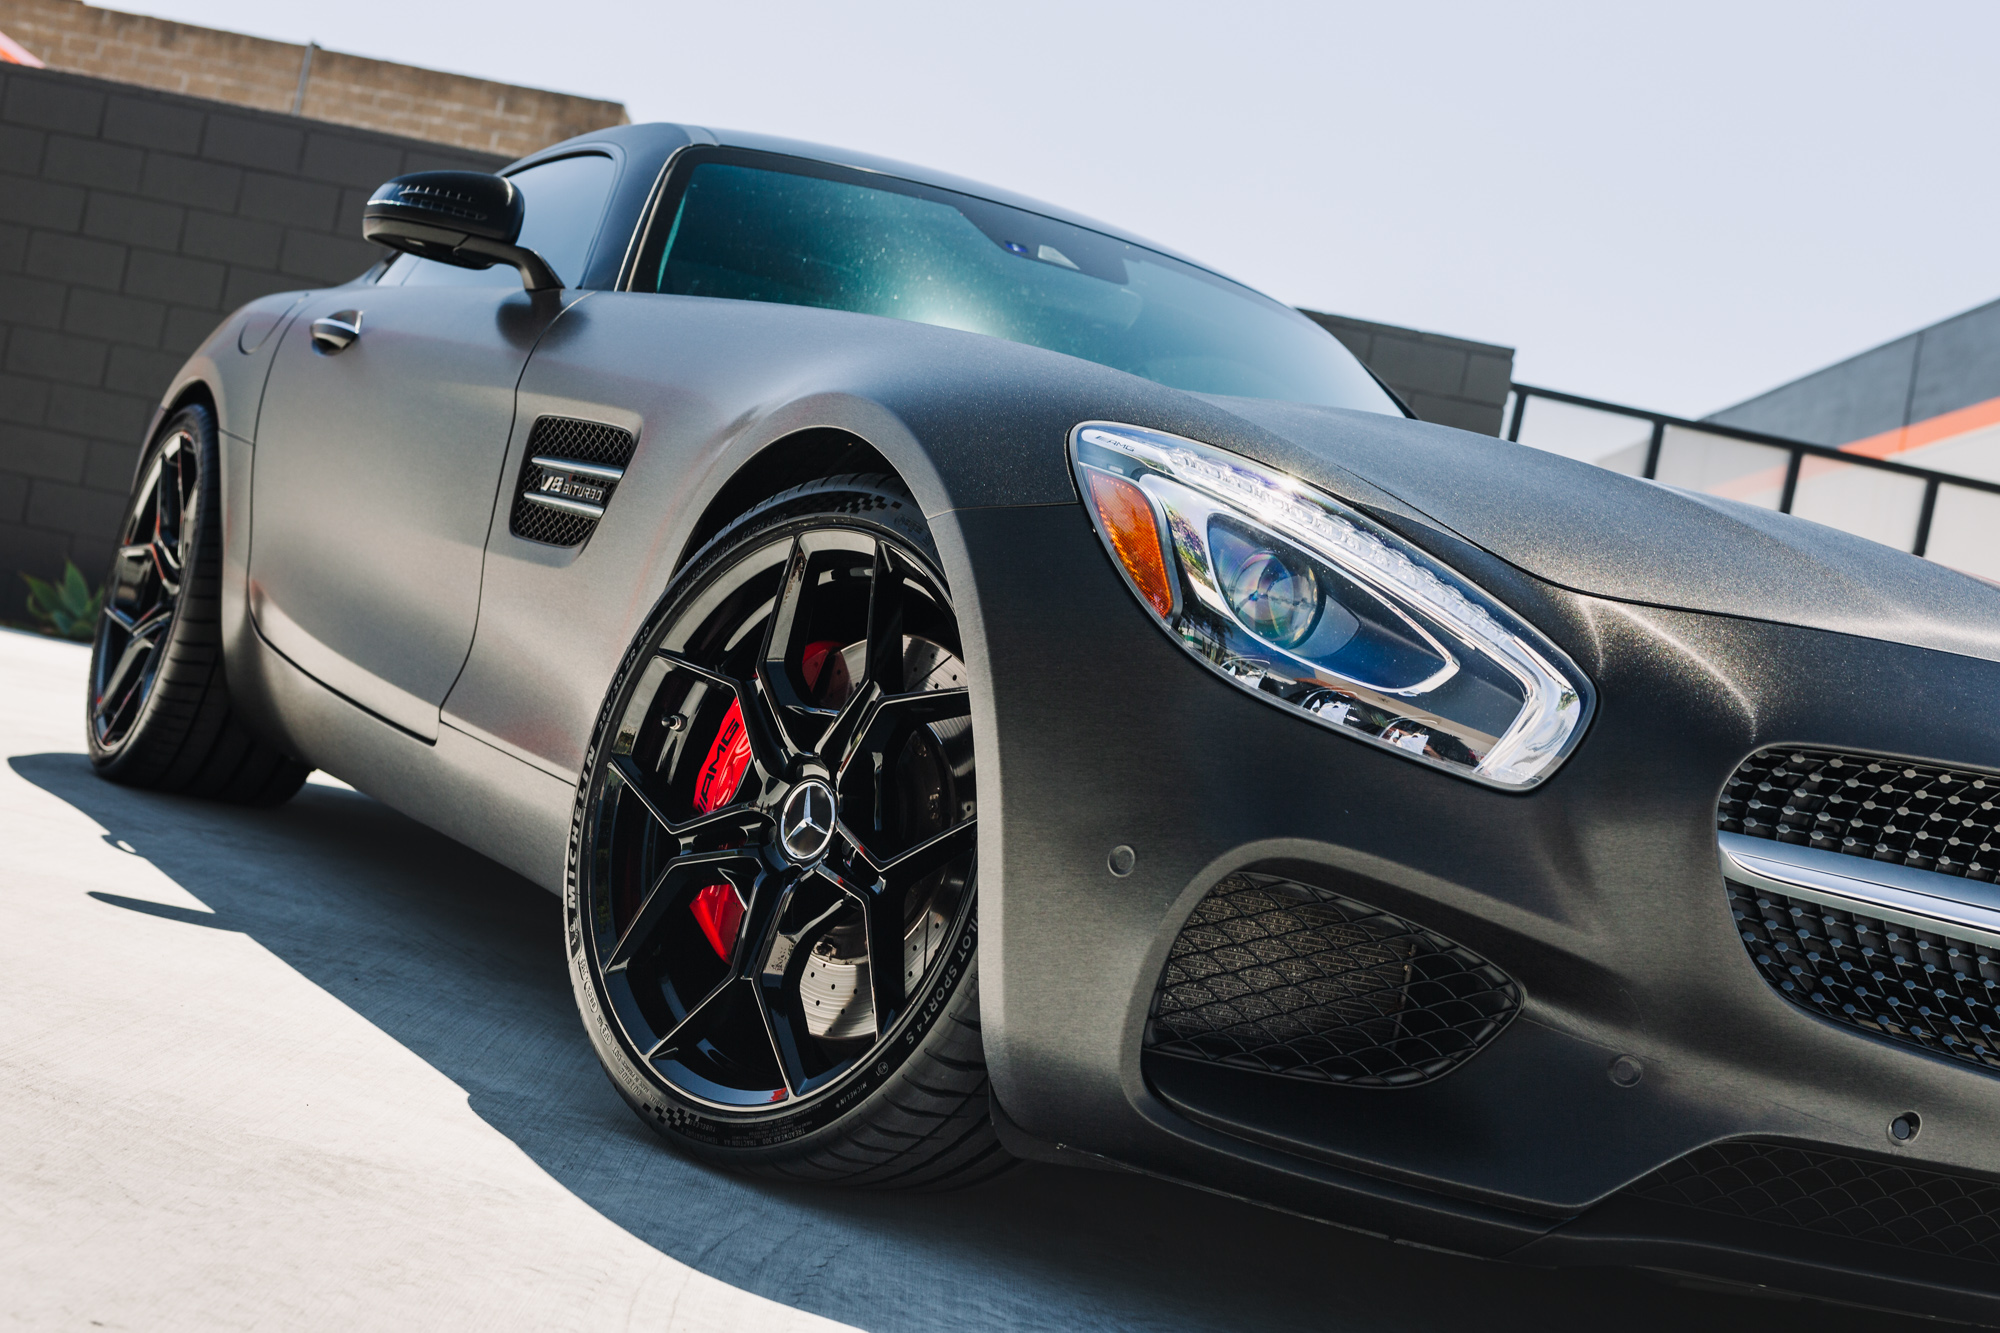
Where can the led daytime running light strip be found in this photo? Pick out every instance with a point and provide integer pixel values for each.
(1328, 535)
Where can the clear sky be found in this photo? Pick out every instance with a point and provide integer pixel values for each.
(1673, 205)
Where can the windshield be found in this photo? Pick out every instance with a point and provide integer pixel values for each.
(820, 237)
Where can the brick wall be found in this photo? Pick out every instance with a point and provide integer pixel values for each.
(1447, 380)
(345, 89)
(130, 222)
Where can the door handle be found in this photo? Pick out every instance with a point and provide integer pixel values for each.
(335, 332)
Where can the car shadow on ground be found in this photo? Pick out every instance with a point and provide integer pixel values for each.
(460, 961)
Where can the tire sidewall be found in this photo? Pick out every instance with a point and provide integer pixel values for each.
(744, 1137)
(134, 750)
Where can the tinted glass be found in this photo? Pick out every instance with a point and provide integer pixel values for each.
(933, 256)
(562, 202)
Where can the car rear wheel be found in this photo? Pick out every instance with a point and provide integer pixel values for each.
(770, 898)
(158, 712)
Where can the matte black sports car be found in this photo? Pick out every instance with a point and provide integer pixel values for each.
(987, 686)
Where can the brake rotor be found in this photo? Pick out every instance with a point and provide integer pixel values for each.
(834, 993)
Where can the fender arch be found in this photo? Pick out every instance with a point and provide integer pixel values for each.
(783, 463)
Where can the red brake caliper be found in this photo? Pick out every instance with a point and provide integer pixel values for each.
(716, 908)
(719, 912)
(816, 659)
(722, 772)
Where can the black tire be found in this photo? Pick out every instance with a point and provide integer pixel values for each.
(904, 1104)
(157, 711)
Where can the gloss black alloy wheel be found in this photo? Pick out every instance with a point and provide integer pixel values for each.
(157, 710)
(143, 595)
(771, 897)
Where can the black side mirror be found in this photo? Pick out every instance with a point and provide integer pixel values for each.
(464, 218)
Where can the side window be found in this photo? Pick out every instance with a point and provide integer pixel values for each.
(562, 202)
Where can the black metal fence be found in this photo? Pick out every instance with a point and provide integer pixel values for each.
(1948, 517)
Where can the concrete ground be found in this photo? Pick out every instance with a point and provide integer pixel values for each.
(318, 1068)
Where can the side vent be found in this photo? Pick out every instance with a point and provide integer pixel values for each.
(1286, 978)
(567, 479)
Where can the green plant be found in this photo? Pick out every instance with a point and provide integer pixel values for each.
(67, 606)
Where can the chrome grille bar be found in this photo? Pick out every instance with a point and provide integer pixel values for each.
(1922, 899)
(581, 508)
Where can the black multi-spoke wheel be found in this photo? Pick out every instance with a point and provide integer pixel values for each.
(144, 591)
(157, 712)
(771, 877)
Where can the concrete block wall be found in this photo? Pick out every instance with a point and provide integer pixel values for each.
(131, 222)
(1451, 381)
(252, 71)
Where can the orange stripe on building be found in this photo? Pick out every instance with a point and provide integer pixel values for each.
(1931, 430)
(13, 53)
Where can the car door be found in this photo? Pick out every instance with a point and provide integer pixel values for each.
(376, 463)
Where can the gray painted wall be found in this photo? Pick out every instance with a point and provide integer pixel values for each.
(1940, 369)
(131, 221)
(1447, 380)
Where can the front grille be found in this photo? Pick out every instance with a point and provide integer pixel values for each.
(565, 437)
(1857, 1197)
(1922, 815)
(1913, 986)
(1285, 978)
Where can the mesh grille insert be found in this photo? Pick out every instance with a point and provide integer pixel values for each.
(586, 441)
(1282, 977)
(564, 437)
(1856, 1197)
(550, 526)
(1922, 815)
(1910, 985)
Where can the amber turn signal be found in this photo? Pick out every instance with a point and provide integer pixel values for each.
(1126, 519)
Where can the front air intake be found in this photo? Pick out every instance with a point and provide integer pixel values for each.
(1285, 978)
(1835, 1194)
(567, 479)
(1921, 815)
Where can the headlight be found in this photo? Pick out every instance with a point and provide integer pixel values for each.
(1289, 593)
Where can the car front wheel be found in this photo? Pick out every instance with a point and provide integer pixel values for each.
(771, 888)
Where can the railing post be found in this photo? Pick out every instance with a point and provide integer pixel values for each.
(305, 76)
(1924, 517)
(1791, 481)
(1796, 451)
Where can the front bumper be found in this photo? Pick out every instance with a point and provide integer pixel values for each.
(1599, 892)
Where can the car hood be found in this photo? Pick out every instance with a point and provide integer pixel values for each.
(1599, 532)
